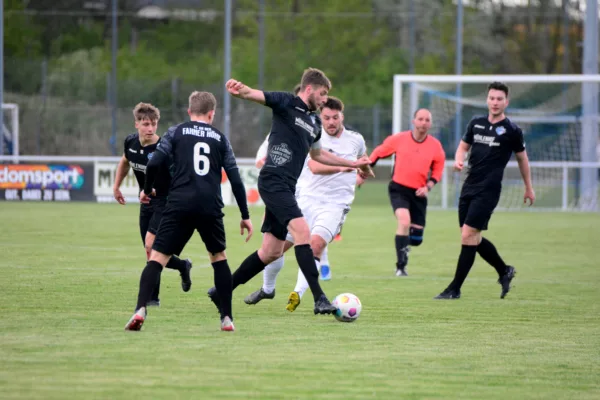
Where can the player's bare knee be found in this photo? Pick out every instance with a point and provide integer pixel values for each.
(216, 257)
(317, 244)
(159, 257)
(470, 236)
(268, 254)
(300, 231)
(416, 235)
(149, 241)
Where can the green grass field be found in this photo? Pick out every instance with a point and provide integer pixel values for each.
(69, 279)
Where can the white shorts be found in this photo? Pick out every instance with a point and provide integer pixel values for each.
(324, 220)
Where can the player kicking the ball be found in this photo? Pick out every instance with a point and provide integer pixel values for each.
(324, 195)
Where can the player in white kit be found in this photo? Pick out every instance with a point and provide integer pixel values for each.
(324, 195)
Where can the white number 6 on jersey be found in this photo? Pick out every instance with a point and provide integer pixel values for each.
(201, 162)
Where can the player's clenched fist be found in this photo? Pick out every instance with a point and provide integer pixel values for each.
(234, 86)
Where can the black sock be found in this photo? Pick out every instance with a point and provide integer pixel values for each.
(156, 290)
(465, 262)
(224, 286)
(401, 246)
(148, 280)
(488, 252)
(176, 263)
(250, 267)
(306, 262)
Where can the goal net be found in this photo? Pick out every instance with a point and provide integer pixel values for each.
(558, 116)
(9, 143)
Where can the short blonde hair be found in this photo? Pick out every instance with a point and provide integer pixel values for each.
(202, 103)
(144, 111)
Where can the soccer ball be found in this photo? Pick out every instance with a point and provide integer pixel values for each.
(348, 307)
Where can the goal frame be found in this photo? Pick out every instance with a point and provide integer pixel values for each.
(399, 80)
(590, 116)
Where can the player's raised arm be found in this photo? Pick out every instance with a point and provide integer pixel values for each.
(238, 89)
(122, 170)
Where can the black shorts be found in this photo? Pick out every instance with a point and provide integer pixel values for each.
(404, 197)
(280, 208)
(177, 227)
(475, 208)
(150, 216)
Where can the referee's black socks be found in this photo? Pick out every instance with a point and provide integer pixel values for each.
(401, 246)
(148, 281)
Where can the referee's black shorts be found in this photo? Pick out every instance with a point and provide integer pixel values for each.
(475, 208)
(404, 197)
(280, 208)
(178, 226)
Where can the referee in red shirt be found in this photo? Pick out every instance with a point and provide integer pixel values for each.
(418, 167)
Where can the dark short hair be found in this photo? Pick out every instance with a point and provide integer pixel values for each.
(498, 86)
(201, 103)
(144, 111)
(334, 103)
(297, 89)
(314, 77)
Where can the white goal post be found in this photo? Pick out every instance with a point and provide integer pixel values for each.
(559, 116)
(10, 128)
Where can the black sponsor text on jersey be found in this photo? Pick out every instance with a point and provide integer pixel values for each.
(491, 148)
(294, 130)
(138, 157)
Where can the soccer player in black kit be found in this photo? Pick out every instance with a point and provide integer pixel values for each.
(199, 152)
(138, 150)
(491, 141)
(295, 131)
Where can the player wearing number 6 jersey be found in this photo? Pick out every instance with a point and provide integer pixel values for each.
(199, 152)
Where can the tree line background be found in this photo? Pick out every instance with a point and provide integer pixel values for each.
(58, 57)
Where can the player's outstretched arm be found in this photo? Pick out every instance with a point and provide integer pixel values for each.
(366, 171)
(327, 158)
(524, 168)
(238, 89)
(122, 170)
(321, 169)
(385, 149)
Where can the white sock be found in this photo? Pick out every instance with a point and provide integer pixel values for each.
(270, 275)
(302, 283)
(325, 257)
